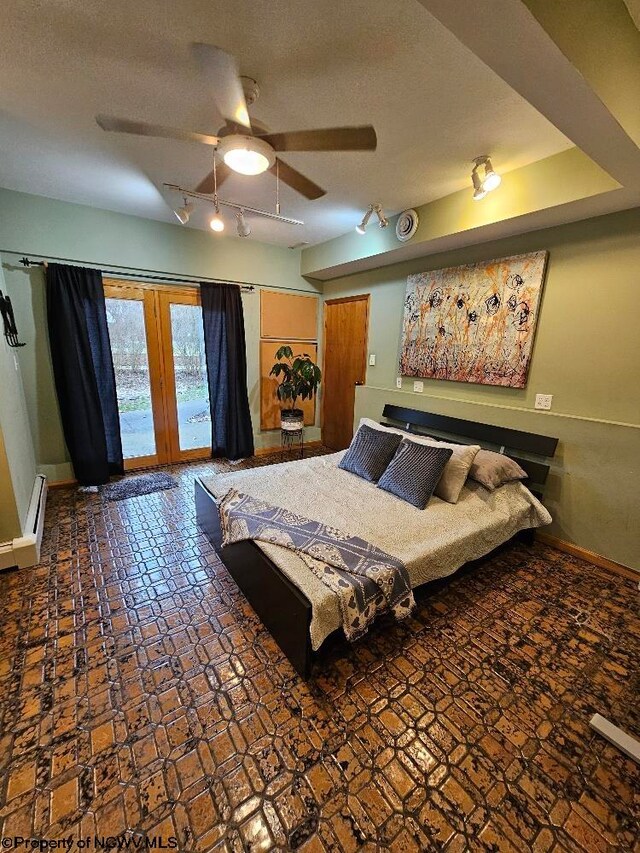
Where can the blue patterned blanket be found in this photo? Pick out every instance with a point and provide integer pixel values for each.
(366, 580)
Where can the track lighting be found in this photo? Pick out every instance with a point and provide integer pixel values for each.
(373, 208)
(216, 222)
(243, 227)
(478, 190)
(382, 219)
(184, 213)
(362, 227)
(491, 179)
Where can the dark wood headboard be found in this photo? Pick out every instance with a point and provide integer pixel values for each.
(461, 431)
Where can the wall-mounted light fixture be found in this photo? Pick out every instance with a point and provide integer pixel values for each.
(373, 208)
(490, 181)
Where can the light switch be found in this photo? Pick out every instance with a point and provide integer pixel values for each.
(372, 359)
(418, 386)
(399, 382)
(543, 401)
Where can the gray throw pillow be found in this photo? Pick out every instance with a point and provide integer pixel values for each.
(369, 453)
(493, 470)
(414, 471)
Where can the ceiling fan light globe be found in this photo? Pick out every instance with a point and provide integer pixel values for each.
(246, 162)
(246, 154)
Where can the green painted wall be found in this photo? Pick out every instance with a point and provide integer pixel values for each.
(586, 353)
(53, 229)
(17, 459)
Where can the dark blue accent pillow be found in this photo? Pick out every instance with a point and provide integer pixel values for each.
(414, 471)
(370, 452)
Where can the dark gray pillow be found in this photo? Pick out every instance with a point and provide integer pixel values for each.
(370, 452)
(414, 471)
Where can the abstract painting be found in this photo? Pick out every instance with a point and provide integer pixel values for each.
(474, 323)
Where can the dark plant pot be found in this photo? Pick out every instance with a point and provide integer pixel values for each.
(291, 419)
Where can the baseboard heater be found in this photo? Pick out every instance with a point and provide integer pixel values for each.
(24, 551)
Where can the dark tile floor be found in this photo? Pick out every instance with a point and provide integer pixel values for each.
(140, 694)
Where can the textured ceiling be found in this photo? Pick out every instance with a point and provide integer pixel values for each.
(433, 103)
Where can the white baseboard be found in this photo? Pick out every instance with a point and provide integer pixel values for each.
(24, 551)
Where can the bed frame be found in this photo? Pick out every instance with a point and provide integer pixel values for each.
(283, 608)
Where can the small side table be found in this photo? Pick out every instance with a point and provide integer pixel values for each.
(291, 438)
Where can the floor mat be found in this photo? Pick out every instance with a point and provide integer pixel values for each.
(143, 484)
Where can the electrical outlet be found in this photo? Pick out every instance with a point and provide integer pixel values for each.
(372, 360)
(418, 386)
(399, 382)
(543, 401)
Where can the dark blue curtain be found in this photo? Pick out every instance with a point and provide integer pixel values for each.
(226, 353)
(83, 372)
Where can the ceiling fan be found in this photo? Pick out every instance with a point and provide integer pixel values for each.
(245, 145)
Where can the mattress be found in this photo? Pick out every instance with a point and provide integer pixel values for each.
(432, 543)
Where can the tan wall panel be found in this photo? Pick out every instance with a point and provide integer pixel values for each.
(283, 316)
(269, 404)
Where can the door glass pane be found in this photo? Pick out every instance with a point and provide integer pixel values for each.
(130, 361)
(192, 392)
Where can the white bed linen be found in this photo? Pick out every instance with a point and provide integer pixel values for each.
(432, 543)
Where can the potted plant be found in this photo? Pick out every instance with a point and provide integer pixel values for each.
(299, 379)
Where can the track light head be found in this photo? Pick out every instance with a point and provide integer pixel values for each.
(242, 226)
(183, 213)
(382, 219)
(491, 179)
(216, 223)
(478, 191)
(362, 227)
(373, 208)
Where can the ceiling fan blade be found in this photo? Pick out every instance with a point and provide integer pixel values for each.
(141, 128)
(327, 139)
(296, 180)
(222, 71)
(206, 185)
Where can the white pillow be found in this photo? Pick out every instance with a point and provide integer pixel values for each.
(455, 471)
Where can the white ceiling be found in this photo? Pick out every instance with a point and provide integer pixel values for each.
(318, 63)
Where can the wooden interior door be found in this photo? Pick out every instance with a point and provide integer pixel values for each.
(346, 326)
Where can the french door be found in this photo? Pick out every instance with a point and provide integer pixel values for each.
(157, 344)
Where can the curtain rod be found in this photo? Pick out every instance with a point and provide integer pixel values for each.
(158, 275)
(155, 275)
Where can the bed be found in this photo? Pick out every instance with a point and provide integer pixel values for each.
(296, 607)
